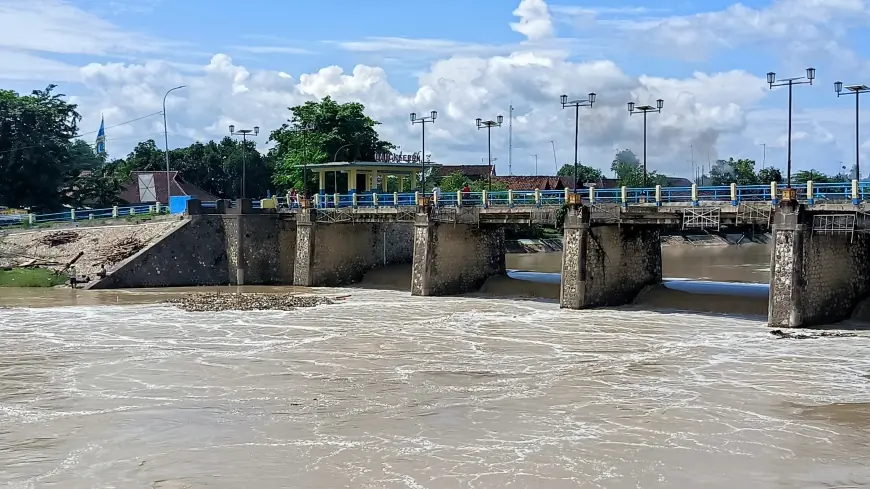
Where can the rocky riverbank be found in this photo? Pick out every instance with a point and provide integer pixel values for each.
(248, 302)
(102, 246)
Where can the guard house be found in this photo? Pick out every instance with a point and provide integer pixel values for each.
(372, 176)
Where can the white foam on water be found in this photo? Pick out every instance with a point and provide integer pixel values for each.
(387, 390)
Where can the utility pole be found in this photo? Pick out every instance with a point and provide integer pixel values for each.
(694, 172)
(511, 139)
(536, 165)
(555, 162)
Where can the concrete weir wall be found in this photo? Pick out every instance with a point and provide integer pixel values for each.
(268, 252)
(204, 251)
(607, 265)
(336, 254)
(815, 278)
(454, 258)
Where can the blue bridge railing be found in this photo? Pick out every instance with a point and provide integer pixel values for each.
(843, 192)
(812, 193)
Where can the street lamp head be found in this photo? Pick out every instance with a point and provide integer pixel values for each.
(478, 121)
(811, 74)
(838, 86)
(499, 119)
(771, 78)
(592, 96)
(232, 128)
(433, 114)
(631, 106)
(563, 99)
(256, 130)
(413, 116)
(660, 103)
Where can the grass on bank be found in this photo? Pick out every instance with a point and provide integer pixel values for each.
(30, 277)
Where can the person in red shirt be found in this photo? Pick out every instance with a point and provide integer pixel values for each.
(466, 193)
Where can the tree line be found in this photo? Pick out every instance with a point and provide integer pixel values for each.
(44, 164)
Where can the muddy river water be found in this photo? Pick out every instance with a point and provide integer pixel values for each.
(383, 390)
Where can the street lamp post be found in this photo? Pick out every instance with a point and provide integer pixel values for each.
(536, 164)
(645, 109)
(481, 124)
(855, 90)
(302, 129)
(244, 134)
(335, 158)
(577, 104)
(166, 143)
(423, 121)
(790, 82)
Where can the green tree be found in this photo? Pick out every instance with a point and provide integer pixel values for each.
(316, 132)
(453, 182)
(629, 171)
(35, 150)
(726, 172)
(769, 174)
(215, 167)
(804, 176)
(584, 173)
(456, 181)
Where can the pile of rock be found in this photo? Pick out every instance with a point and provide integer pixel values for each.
(247, 302)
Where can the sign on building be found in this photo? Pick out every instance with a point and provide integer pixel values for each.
(147, 188)
(397, 158)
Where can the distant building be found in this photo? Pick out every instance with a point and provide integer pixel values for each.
(519, 182)
(473, 172)
(148, 187)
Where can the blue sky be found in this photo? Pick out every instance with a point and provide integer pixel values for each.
(246, 62)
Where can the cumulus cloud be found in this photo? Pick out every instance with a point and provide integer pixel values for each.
(714, 113)
(534, 20)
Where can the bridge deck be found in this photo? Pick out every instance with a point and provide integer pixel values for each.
(715, 216)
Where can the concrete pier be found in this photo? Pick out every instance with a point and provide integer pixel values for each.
(819, 267)
(452, 258)
(608, 264)
(332, 254)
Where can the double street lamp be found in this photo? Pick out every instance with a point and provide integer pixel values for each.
(423, 121)
(576, 104)
(855, 90)
(772, 81)
(645, 109)
(481, 124)
(244, 133)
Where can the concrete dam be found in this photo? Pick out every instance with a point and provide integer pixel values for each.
(820, 260)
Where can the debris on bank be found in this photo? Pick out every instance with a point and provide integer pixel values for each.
(216, 302)
(782, 335)
(122, 249)
(58, 238)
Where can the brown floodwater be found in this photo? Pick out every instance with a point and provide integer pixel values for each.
(385, 390)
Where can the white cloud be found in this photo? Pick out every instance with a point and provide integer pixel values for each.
(534, 20)
(716, 113)
(54, 26)
(807, 26)
(272, 50)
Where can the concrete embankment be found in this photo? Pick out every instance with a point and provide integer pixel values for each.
(98, 245)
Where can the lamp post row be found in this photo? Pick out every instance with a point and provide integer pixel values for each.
(772, 81)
